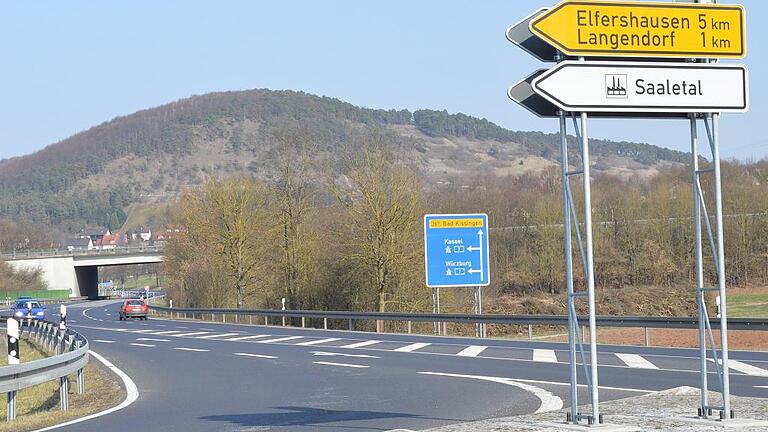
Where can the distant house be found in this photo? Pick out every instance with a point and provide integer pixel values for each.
(95, 234)
(79, 243)
(112, 241)
(141, 234)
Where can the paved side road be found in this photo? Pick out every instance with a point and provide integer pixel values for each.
(197, 376)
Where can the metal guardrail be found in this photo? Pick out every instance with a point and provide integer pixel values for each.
(538, 320)
(70, 350)
(46, 253)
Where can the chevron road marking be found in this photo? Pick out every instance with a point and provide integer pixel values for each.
(544, 355)
(471, 351)
(636, 361)
(412, 347)
(318, 341)
(361, 344)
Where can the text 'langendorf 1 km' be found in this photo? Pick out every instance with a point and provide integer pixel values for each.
(637, 60)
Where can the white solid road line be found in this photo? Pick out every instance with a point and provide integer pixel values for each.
(544, 355)
(255, 355)
(625, 389)
(139, 331)
(471, 351)
(318, 341)
(189, 334)
(361, 344)
(132, 393)
(103, 341)
(412, 347)
(166, 332)
(217, 335)
(241, 338)
(549, 402)
(192, 349)
(340, 364)
(282, 339)
(142, 345)
(744, 368)
(153, 340)
(636, 361)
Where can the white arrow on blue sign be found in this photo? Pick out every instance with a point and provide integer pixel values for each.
(456, 250)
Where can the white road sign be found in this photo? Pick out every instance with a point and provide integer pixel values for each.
(644, 87)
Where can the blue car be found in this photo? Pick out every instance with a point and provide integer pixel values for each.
(20, 310)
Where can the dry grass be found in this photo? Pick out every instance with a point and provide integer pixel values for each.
(38, 406)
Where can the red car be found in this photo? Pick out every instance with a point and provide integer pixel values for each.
(133, 308)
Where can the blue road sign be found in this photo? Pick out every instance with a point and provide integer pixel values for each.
(456, 250)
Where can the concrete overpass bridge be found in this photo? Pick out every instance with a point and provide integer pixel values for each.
(77, 270)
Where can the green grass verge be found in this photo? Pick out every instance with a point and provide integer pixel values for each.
(748, 305)
(38, 406)
(38, 294)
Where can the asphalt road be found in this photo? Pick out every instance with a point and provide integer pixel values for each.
(198, 376)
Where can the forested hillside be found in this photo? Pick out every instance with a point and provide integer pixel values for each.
(153, 155)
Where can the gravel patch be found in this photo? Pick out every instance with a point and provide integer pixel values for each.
(671, 410)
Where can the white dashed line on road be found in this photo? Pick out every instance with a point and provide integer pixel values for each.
(216, 335)
(340, 364)
(192, 349)
(471, 351)
(190, 334)
(323, 353)
(242, 338)
(166, 332)
(544, 355)
(103, 341)
(142, 345)
(635, 361)
(412, 347)
(282, 339)
(361, 344)
(318, 341)
(153, 340)
(255, 355)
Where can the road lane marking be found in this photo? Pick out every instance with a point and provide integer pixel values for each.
(544, 355)
(412, 347)
(255, 355)
(103, 341)
(744, 368)
(216, 335)
(625, 389)
(282, 339)
(635, 361)
(183, 327)
(340, 364)
(142, 345)
(361, 344)
(241, 338)
(549, 402)
(323, 353)
(318, 341)
(192, 349)
(190, 334)
(137, 331)
(153, 340)
(166, 332)
(132, 393)
(471, 351)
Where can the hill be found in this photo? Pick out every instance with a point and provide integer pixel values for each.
(152, 155)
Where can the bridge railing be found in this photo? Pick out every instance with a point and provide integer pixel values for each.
(49, 253)
(349, 318)
(70, 350)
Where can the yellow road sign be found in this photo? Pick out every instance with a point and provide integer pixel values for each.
(643, 29)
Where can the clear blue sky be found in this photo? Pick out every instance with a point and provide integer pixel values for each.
(67, 66)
